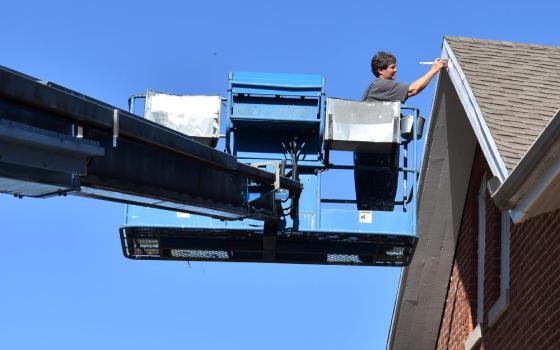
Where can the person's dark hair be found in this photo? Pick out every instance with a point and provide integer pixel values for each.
(382, 60)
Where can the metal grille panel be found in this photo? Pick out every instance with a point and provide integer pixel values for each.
(165, 243)
(194, 254)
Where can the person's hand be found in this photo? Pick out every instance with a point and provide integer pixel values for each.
(439, 64)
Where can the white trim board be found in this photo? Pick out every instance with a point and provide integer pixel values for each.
(474, 114)
(522, 209)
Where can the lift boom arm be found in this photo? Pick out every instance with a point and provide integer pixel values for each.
(55, 141)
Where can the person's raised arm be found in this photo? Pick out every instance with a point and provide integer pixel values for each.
(420, 83)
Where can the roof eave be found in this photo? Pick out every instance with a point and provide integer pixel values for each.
(474, 113)
(531, 178)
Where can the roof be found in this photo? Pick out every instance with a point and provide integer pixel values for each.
(517, 87)
(505, 98)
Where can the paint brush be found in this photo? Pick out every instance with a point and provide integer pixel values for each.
(432, 62)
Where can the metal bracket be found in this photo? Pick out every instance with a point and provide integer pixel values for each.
(276, 166)
(115, 126)
(270, 226)
(78, 131)
(132, 99)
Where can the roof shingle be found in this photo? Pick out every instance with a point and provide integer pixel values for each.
(517, 87)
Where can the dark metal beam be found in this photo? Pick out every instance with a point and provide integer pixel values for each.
(88, 111)
(150, 164)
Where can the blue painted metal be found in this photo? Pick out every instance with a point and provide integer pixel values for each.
(267, 115)
(266, 111)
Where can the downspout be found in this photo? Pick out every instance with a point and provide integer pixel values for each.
(503, 300)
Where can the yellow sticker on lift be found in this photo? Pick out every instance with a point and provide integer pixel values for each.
(183, 215)
(366, 216)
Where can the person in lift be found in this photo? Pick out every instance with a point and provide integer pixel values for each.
(385, 88)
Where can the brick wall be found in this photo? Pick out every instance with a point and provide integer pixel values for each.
(532, 318)
(459, 316)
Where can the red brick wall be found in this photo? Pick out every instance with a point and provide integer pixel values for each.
(532, 318)
(459, 316)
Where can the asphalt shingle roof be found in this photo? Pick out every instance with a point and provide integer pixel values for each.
(517, 87)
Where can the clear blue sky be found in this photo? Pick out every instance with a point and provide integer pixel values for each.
(64, 283)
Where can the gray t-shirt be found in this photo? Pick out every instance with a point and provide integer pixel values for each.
(386, 90)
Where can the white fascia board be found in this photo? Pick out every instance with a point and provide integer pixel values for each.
(521, 210)
(474, 113)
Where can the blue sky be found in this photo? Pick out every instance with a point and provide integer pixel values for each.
(64, 282)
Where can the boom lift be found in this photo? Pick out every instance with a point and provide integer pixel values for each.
(258, 201)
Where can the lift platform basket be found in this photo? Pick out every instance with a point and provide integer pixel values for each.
(284, 122)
